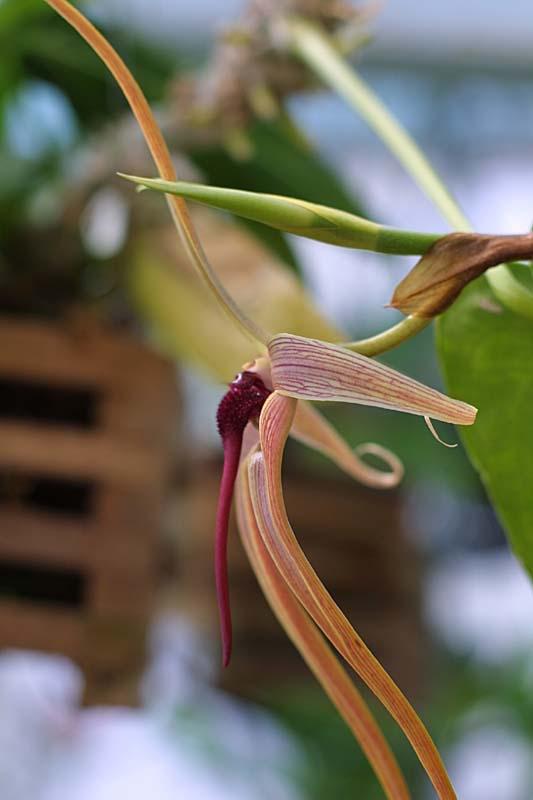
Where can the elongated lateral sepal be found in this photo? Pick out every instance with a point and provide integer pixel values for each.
(264, 475)
(318, 655)
(313, 430)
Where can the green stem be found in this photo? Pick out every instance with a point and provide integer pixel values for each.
(317, 51)
(509, 291)
(400, 242)
(392, 337)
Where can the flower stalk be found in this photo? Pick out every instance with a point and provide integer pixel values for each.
(163, 161)
(390, 338)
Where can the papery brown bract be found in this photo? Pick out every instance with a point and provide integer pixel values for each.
(449, 265)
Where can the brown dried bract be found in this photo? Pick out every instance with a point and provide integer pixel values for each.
(450, 264)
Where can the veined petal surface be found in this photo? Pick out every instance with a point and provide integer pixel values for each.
(309, 369)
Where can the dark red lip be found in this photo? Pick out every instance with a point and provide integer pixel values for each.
(241, 404)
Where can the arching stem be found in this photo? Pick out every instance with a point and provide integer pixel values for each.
(160, 153)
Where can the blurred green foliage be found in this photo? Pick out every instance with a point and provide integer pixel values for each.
(37, 46)
(465, 697)
(335, 766)
(39, 51)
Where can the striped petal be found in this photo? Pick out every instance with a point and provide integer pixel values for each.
(264, 470)
(309, 369)
(311, 428)
(310, 643)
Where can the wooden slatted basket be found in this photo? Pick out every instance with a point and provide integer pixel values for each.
(88, 420)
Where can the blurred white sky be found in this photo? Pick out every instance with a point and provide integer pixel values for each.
(455, 29)
(473, 30)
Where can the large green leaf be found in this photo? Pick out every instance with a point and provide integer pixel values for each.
(487, 354)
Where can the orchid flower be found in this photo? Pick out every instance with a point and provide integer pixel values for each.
(308, 369)
(273, 392)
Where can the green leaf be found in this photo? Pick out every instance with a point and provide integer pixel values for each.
(14, 13)
(487, 355)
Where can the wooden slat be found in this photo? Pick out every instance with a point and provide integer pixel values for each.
(44, 539)
(133, 515)
(36, 350)
(112, 643)
(121, 687)
(71, 543)
(126, 456)
(79, 454)
(128, 554)
(146, 421)
(121, 593)
(75, 355)
(41, 628)
(146, 407)
(126, 533)
(90, 640)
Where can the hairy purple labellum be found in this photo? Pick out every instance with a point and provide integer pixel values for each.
(240, 405)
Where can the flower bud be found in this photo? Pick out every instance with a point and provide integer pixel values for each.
(283, 213)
